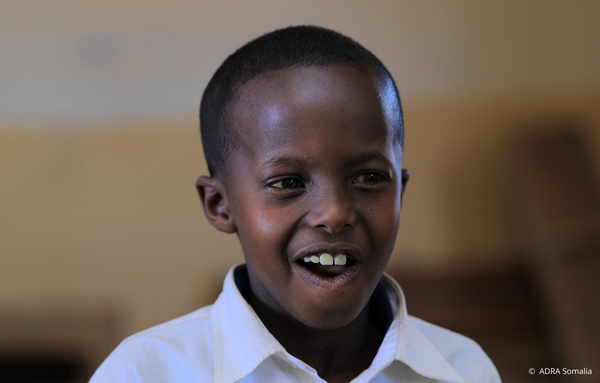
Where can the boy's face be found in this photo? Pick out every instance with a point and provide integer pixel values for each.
(317, 170)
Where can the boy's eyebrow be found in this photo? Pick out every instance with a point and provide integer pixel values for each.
(289, 161)
(354, 161)
(368, 157)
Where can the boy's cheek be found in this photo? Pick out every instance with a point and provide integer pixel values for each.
(264, 232)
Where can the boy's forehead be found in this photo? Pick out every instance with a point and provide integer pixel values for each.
(292, 94)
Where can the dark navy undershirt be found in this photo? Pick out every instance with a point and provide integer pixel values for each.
(380, 310)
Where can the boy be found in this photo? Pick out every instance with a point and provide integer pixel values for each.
(303, 135)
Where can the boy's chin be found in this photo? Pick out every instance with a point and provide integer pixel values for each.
(323, 306)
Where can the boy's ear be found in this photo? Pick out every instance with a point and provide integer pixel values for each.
(405, 178)
(215, 205)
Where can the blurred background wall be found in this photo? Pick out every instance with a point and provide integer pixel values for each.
(99, 142)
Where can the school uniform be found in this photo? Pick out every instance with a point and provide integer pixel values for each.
(226, 342)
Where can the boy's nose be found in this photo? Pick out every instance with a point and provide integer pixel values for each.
(332, 211)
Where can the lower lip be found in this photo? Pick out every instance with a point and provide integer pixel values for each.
(330, 282)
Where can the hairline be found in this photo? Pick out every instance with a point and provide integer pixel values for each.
(228, 120)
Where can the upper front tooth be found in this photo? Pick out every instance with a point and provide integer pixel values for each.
(326, 259)
(314, 259)
(340, 259)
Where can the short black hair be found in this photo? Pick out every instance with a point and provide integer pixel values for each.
(298, 46)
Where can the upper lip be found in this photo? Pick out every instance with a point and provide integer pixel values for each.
(331, 248)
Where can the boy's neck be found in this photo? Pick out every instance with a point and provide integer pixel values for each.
(338, 355)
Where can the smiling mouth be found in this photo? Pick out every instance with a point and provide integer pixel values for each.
(320, 266)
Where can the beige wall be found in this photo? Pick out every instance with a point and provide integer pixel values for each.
(70, 61)
(109, 215)
(99, 146)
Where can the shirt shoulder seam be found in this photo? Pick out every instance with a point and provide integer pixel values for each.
(157, 328)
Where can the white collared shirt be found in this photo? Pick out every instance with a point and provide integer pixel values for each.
(226, 342)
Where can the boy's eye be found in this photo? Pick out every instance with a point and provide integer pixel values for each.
(287, 183)
(368, 178)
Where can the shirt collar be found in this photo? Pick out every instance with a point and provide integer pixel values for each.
(406, 343)
(242, 342)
